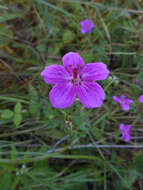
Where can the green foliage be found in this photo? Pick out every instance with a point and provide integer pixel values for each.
(17, 119)
(138, 161)
(68, 36)
(7, 114)
(34, 101)
(16, 115)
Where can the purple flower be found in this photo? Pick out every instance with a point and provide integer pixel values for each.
(125, 129)
(123, 101)
(72, 79)
(141, 99)
(87, 26)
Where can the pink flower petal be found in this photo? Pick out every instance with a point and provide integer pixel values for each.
(141, 99)
(123, 97)
(129, 101)
(128, 127)
(116, 99)
(125, 106)
(95, 71)
(122, 126)
(72, 61)
(90, 94)
(126, 137)
(83, 22)
(87, 26)
(83, 31)
(62, 95)
(125, 129)
(123, 101)
(55, 74)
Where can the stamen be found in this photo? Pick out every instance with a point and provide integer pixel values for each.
(75, 72)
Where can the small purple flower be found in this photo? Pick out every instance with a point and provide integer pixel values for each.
(87, 26)
(72, 79)
(141, 99)
(125, 129)
(137, 81)
(123, 101)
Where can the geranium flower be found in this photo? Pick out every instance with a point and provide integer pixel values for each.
(125, 129)
(141, 99)
(123, 101)
(87, 26)
(73, 79)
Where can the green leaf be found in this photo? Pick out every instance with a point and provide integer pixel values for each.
(4, 41)
(18, 107)
(17, 119)
(6, 180)
(41, 47)
(34, 101)
(68, 36)
(7, 114)
(138, 161)
(55, 7)
(9, 16)
(11, 99)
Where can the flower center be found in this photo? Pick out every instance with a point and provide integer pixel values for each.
(76, 77)
(122, 101)
(75, 73)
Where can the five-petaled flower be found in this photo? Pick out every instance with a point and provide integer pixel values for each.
(141, 99)
(123, 101)
(73, 79)
(125, 129)
(87, 26)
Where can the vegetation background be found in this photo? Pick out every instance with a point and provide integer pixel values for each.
(64, 149)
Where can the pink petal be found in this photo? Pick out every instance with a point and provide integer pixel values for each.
(83, 31)
(82, 23)
(129, 101)
(87, 24)
(116, 99)
(72, 61)
(123, 97)
(125, 132)
(95, 71)
(122, 127)
(62, 95)
(125, 107)
(126, 137)
(90, 94)
(141, 98)
(55, 74)
(128, 127)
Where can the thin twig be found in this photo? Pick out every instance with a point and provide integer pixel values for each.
(130, 146)
(99, 5)
(60, 141)
(97, 146)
